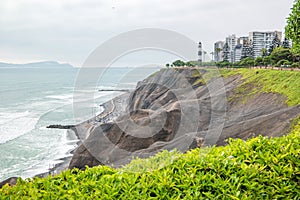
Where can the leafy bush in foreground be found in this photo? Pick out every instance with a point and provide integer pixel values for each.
(259, 168)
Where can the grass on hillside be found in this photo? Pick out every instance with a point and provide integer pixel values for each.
(286, 83)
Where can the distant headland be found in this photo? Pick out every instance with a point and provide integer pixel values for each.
(42, 64)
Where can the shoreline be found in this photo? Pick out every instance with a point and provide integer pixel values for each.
(112, 109)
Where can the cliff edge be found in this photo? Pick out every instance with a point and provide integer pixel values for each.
(184, 109)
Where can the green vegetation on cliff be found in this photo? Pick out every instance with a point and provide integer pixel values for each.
(286, 83)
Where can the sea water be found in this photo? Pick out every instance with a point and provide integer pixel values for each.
(33, 98)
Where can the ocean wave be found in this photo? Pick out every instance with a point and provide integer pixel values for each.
(61, 97)
(79, 96)
(49, 154)
(14, 125)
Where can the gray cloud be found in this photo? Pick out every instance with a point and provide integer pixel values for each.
(68, 31)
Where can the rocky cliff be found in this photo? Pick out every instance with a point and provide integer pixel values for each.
(183, 109)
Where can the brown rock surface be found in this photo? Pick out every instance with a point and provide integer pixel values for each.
(10, 181)
(171, 110)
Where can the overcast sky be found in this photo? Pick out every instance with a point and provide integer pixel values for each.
(68, 31)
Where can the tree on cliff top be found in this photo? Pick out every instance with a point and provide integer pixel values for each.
(178, 63)
(281, 53)
(292, 29)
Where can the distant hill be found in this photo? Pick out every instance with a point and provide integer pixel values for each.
(44, 64)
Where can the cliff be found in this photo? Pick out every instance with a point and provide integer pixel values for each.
(185, 109)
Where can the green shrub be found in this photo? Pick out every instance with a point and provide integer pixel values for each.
(281, 53)
(258, 61)
(295, 65)
(260, 168)
(283, 63)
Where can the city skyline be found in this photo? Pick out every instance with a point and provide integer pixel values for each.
(248, 45)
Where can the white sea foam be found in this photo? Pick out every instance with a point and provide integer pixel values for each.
(60, 151)
(61, 97)
(6, 117)
(79, 96)
(98, 109)
(13, 125)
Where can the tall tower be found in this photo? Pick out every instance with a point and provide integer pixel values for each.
(200, 52)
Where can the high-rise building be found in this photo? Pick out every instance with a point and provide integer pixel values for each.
(238, 53)
(218, 48)
(243, 40)
(261, 40)
(232, 42)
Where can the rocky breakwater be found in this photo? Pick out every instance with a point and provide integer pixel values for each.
(180, 108)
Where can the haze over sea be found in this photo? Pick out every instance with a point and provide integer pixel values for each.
(35, 97)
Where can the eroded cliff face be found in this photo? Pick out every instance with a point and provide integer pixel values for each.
(176, 109)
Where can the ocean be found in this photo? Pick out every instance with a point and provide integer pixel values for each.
(33, 98)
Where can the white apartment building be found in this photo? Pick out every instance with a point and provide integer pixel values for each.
(238, 53)
(262, 40)
(243, 40)
(218, 48)
(232, 42)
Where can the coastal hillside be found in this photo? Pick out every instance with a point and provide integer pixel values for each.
(255, 154)
(186, 108)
